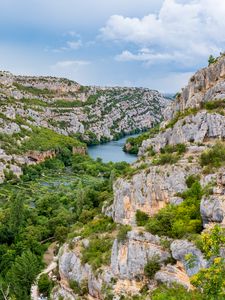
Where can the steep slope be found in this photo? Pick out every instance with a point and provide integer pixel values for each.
(56, 106)
(69, 108)
(170, 207)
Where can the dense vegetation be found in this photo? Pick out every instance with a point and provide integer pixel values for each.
(43, 206)
(181, 220)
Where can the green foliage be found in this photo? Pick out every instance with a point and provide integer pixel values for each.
(67, 104)
(180, 115)
(98, 252)
(33, 90)
(92, 99)
(211, 281)
(166, 158)
(176, 292)
(122, 233)
(178, 221)
(211, 60)
(152, 267)
(179, 148)
(141, 218)
(23, 274)
(135, 142)
(98, 225)
(212, 105)
(191, 179)
(45, 285)
(43, 139)
(51, 200)
(214, 157)
(79, 289)
(213, 241)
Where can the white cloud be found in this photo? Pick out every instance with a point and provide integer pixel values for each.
(70, 63)
(74, 45)
(145, 55)
(182, 30)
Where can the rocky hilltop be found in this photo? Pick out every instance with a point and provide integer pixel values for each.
(96, 113)
(169, 210)
(90, 114)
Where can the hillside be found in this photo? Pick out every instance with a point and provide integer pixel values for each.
(54, 107)
(168, 208)
(74, 228)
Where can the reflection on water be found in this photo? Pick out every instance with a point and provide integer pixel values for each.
(112, 151)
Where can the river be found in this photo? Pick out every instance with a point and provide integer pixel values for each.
(112, 151)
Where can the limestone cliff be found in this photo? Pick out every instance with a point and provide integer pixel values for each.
(153, 185)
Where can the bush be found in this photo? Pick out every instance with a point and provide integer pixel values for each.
(166, 158)
(179, 148)
(141, 218)
(191, 179)
(152, 267)
(176, 292)
(211, 105)
(211, 281)
(215, 157)
(44, 285)
(97, 253)
(79, 289)
(177, 221)
(122, 233)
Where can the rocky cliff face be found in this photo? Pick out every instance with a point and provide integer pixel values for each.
(69, 108)
(155, 185)
(205, 85)
(93, 113)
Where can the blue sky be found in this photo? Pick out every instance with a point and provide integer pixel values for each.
(151, 43)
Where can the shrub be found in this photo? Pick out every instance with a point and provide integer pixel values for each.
(211, 105)
(79, 289)
(141, 218)
(97, 253)
(166, 158)
(211, 281)
(191, 179)
(215, 157)
(122, 233)
(44, 285)
(98, 225)
(177, 221)
(179, 148)
(152, 267)
(176, 292)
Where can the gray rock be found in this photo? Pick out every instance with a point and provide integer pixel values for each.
(213, 209)
(171, 275)
(181, 249)
(149, 191)
(130, 257)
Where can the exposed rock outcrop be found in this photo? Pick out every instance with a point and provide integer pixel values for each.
(191, 257)
(213, 206)
(205, 85)
(194, 128)
(130, 257)
(149, 191)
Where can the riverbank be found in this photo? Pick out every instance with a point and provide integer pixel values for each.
(112, 151)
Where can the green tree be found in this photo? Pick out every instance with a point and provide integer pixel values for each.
(22, 275)
(211, 59)
(16, 213)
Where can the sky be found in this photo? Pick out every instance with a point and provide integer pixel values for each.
(157, 44)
